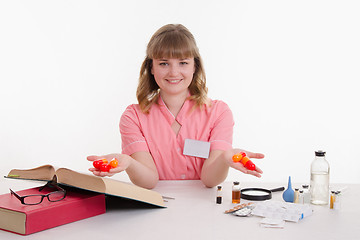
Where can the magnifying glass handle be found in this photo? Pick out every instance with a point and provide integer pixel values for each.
(277, 189)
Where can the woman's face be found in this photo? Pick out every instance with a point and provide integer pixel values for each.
(173, 75)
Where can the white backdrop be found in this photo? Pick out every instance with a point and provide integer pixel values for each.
(288, 70)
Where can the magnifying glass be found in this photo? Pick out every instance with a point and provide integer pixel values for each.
(258, 194)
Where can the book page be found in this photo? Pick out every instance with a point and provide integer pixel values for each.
(117, 188)
(80, 180)
(12, 220)
(108, 186)
(45, 172)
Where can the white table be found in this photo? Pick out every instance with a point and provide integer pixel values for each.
(195, 215)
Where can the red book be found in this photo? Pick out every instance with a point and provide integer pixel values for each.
(26, 219)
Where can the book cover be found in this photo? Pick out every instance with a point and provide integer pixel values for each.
(27, 219)
(90, 182)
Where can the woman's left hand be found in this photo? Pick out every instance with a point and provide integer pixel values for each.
(239, 166)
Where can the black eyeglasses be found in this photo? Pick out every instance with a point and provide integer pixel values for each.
(38, 198)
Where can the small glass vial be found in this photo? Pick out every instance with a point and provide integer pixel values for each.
(219, 195)
(337, 203)
(236, 193)
(296, 195)
(301, 197)
(306, 193)
(319, 182)
(332, 199)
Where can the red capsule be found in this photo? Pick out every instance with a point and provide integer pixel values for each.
(97, 164)
(105, 167)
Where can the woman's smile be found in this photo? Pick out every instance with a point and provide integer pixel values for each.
(173, 81)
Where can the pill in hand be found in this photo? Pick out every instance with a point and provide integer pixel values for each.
(244, 160)
(105, 167)
(97, 164)
(237, 157)
(114, 163)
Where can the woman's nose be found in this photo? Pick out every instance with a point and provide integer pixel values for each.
(174, 70)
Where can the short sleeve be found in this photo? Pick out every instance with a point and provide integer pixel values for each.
(132, 138)
(221, 135)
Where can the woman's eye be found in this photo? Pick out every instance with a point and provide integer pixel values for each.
(183, 63)
(163, 64)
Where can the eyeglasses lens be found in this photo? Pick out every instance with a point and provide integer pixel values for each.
(34, 199)
(56, 196)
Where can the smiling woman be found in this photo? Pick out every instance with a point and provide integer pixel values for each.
(172, 93)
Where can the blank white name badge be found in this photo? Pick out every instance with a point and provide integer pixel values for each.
(196, 148)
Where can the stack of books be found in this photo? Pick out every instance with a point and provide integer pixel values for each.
(85, 197)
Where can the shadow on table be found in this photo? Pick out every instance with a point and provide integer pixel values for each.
(118, 203)
(114, 203)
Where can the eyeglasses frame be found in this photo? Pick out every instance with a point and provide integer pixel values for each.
(48, 184)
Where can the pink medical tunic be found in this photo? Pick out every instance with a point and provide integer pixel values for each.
(153, 133)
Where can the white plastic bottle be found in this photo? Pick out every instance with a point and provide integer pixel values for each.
(319, 182)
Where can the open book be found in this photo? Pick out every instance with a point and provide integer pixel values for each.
(89, 182)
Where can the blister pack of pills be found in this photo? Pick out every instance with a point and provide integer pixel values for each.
(244, 212)
(238, 207)
(282, 210)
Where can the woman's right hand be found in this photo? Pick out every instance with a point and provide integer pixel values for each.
(124, 163)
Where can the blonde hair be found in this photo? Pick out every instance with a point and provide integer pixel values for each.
(171, 41)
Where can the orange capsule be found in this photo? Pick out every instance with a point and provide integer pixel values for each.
(244, 160)
(237, 157)
(114, 163)
(104, 160)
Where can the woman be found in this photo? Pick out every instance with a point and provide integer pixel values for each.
(175, 131)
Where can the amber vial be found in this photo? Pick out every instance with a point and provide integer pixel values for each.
(218, 195)
(236, 193)
(332, 199)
